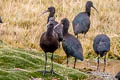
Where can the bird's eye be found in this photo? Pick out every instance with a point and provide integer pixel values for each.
(48, 8)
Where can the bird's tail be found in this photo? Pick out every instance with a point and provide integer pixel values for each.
(79, 56)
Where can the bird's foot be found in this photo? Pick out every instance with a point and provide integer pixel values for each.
(44, 72)
(52, 71)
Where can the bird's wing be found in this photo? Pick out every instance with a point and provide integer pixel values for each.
(59, 30)
(104, 45)
(67, 46)
(73, 47)
(83, 21)
(101, 43)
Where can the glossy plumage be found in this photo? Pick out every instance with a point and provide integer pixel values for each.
(81, 22)
(101, 46)
(49, 43)
(72, 47)
(71, 44)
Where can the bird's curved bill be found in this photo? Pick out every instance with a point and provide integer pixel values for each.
(95, 9)
(44, 12)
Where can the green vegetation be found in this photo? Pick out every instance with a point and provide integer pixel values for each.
(19, 64)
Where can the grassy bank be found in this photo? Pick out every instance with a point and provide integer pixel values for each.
(19, 64)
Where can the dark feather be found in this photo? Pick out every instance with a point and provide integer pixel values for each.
(49, 41)
(101, 44)
(58, 29)
(72, 46)
(81, 23)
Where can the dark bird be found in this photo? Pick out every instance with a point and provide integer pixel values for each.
(101, 46)
(51, 10)
(71, 44)
(81, 22)
(49, 43)
(1, 20)
(117, 76)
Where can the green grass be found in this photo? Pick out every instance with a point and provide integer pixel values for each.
(20, 64)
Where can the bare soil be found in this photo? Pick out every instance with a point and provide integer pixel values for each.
(90, 66)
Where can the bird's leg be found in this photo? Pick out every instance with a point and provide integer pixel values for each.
(104, 63)
(75, 63)
(67, 61)
(98, 63)
(44, 72)
(52, 71)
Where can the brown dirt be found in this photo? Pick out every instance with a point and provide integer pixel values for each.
(90, 66)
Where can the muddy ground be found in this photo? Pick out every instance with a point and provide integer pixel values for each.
(90, 66)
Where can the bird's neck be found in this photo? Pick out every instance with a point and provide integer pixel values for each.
(50, 30)
(88, 11)
(65, 30)
(50, 15)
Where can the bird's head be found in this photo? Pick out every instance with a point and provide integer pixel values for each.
(50, 9)
(65, 23)
(89, 4)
